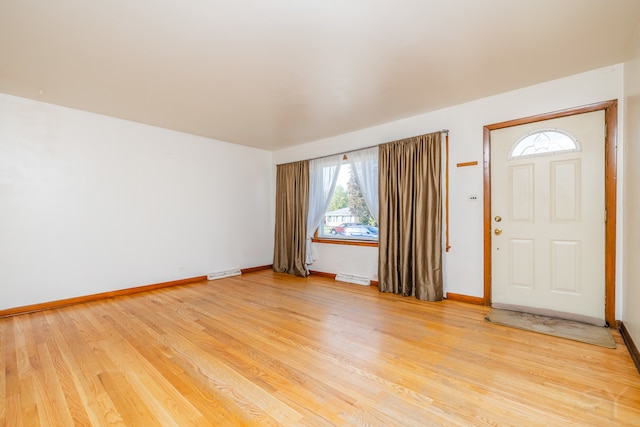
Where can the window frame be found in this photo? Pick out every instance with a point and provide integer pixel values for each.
(350, 241)
(343, 241)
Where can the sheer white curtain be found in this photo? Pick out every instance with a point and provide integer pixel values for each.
(365, 165)
(323, 175)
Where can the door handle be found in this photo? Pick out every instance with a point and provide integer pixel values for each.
(498, 231)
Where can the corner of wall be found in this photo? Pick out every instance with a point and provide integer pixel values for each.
(631, 192)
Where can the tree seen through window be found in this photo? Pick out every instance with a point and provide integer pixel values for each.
(348, 215)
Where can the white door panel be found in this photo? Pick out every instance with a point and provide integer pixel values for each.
(549, 255)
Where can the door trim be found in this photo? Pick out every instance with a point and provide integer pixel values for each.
(610, 109)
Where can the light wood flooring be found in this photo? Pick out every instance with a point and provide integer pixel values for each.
(273, 349)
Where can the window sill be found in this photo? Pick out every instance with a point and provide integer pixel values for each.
(346, 242)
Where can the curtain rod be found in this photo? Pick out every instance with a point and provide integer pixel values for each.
(445, 131)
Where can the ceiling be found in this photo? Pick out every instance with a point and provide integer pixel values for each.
(272, 74)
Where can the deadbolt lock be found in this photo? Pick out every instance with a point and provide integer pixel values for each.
(498, 218)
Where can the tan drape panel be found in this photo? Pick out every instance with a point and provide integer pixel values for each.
(410, 240)
(292, 205)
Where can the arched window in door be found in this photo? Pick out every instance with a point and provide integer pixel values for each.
(542, 142)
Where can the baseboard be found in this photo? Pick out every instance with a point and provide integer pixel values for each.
(464, 298)
(333, 276)
(94, 297)
(120, 292)
(254, 269)
(322, 274)
(631, 346)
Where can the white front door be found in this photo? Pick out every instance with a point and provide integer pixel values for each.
(548, 217)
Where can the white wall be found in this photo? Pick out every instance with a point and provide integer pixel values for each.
(631, 210)
(464, 262)
(90, 204)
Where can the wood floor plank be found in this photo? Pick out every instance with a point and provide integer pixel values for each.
(67, 392)
(273, 349)
(193, 347)
(84, 369)
(213, 411)
(25, 371)
(11, 402)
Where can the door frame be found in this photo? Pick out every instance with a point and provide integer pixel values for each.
(610, 109)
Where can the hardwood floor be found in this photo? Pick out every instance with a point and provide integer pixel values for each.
(272, 349)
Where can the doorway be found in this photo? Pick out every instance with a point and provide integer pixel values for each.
(562, 267)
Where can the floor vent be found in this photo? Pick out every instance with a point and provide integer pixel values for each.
(221, 274)
(350, 278)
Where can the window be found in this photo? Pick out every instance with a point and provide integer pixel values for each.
(348, 216)
(543, 142)
(350, 187)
